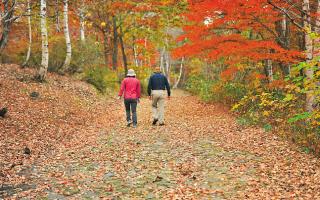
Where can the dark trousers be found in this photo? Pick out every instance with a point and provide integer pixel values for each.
(131, 106)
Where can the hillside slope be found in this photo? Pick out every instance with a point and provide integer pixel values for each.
(45, 117)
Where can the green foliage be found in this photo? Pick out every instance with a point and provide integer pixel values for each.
(86, 55)
(299, 117)
(200, 86)
(215, 91)
(101, 78)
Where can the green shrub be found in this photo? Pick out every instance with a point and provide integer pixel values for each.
(86, 55)
(200, 86)
(101, 78)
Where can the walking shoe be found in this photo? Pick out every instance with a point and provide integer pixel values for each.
(129, 123)
(154, 122)
(134, 126)
(161, 124)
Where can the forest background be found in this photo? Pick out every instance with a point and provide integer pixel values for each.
(258, 57)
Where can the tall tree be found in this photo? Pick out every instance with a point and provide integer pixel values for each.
(29, 32)
(115, 43)
(44, 38)
(124, 55)
(57, 16)
(82, 18)
(67, 36)
(309, 53)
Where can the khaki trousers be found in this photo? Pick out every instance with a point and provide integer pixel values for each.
(158, 101)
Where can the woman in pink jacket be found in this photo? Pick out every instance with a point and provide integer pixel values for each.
(131, 90)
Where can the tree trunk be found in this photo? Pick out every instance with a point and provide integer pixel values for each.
(106, 47)
(270, 70)
(162, 59)
(168, 62)
(285, 35)
(309, 54)
(317, 30)
(57, 16)
(44, 37)
(135, 54)
(82, 23)
(30, 35)
(115, 45)
(6, 23)
(180, 74)
(124, 56)
(67, 36)
(317, 46)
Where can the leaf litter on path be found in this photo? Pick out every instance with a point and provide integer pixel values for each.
(81, 149)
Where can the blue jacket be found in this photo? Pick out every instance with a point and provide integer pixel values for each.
(158, 82)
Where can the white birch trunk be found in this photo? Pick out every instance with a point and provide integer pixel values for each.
(180, 74)
(167, 65)
(82, 26)
(82, 22)
(67, 36)
(270, 70)
(135, 54)
(309, 53)
(30, 34)
(57, 15)
(44, 37)
(162, 58)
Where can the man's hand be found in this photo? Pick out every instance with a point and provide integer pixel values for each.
(119, 97)
(150, 97)
(138, 100)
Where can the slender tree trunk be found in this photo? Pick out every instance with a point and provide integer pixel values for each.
(270, 70)
(167, 71)
(44, 37)
(317, 30)
(30, 35)
(124, 56)
(82, 23)
(106, 47)
(180, 74)
(145, 46)
(317, 46)
(309, 53)
(135, 54)
(286, 38)
(57, 16)
(162, 59)
(115, 45)
(67, 36)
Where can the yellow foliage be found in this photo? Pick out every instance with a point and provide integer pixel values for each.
(103, 24)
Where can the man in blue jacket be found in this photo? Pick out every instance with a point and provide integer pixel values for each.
(157, 87)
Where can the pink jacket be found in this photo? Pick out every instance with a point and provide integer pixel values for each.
(131, 88)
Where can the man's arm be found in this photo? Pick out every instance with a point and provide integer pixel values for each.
(167, 86)
(150, 86)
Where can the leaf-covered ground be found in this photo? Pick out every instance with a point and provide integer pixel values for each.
(81, 149)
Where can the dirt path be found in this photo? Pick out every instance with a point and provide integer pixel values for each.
(201, 153)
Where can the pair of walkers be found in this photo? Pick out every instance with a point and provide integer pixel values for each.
(157, 88)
